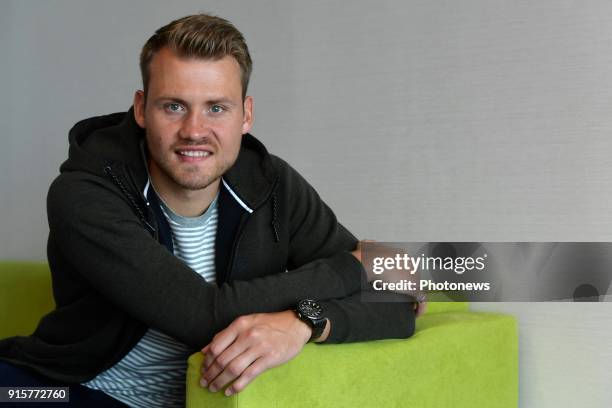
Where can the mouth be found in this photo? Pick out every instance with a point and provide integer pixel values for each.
(193, 155)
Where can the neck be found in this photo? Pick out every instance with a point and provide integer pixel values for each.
(184, 202)
(189, 203)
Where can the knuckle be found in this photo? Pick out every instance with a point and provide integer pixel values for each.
(211, 371)
(215, 350)
(253, 333)
(215, 339)
(221, 361)
(234, 370)
(243, 321)
(253, 371)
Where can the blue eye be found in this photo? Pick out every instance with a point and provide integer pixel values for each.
(174, 107)
(216, 109)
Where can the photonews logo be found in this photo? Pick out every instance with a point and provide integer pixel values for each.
(450, 270)
(411, 264)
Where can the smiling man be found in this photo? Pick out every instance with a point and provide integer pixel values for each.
(172, 230)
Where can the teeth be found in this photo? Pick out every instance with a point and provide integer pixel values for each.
(194, 153)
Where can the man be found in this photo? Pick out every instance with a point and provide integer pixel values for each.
(172, 229)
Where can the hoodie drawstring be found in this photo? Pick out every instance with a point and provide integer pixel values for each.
(130, 198)
(275, 216)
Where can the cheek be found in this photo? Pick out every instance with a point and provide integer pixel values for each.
(231, 140)
(235, 146)
(159, 134)
(155, 143)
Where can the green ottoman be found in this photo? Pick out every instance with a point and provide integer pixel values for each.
(456, 358)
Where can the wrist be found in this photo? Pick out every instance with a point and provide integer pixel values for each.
(325, 333)
(312, 314)
(303, 330)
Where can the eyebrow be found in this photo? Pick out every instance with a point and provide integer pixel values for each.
(222, 101)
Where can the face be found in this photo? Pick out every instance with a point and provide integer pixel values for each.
(194, 118)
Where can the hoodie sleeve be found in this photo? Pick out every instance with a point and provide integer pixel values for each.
(316, 236)
(385, 318)
(99, 247)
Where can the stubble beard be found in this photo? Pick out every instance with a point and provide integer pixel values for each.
(192, 176)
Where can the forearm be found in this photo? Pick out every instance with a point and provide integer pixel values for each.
(324, 279)
(353, 320)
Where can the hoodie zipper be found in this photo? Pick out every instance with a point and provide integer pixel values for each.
(232, 258)
(243, 220)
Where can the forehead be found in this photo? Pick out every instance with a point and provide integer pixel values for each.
(170, 73)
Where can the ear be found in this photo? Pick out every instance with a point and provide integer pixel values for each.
(247, 122)
(139, 108)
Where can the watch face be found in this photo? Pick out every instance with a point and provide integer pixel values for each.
(310, 308)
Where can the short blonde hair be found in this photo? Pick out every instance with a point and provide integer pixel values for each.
(199, 36)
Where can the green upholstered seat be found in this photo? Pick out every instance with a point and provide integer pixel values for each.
(456, 358)
(25, 296)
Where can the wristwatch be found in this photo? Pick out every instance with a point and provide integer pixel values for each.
(311, 313)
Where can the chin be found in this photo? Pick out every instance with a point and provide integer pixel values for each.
(195, 184)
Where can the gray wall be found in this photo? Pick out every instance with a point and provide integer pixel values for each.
(416, 121)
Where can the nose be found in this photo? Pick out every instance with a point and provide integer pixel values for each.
(194, 127)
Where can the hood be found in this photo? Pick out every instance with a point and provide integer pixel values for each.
(116, 140)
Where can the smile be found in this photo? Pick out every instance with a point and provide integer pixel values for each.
(194, 153)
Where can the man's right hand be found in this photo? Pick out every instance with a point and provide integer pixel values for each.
(249, 346)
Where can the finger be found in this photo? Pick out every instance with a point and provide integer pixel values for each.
(219, 364)
(203, 365)
(234, 369)
(421, 309)
(249, 374)
(205, 352)
(220, 342)
(209, 357)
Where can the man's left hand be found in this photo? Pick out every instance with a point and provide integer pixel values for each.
(250, 345)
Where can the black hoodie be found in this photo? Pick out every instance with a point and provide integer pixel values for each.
(114, 274)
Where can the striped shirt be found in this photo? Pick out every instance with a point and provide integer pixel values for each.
(152, 374)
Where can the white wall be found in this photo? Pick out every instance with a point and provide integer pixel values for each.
(437, 121)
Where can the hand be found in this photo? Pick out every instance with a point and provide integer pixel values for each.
(250, 345)
(419, 308)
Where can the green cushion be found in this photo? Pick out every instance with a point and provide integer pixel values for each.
(25, 296)
(442, 307)
(455, 359)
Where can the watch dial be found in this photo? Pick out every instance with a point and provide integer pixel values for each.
(310, 308)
